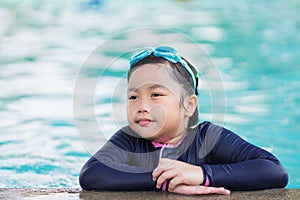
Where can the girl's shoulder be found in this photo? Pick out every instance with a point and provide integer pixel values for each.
(210, 136)
(209, 132)
(209, 128)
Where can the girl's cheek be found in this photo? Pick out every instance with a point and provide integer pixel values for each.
(130, 111)
(159, 113)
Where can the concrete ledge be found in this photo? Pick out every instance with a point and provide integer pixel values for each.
(70, 194)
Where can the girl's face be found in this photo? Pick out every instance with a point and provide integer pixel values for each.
(154, 110)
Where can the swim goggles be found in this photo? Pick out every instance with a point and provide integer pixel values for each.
(167, 53)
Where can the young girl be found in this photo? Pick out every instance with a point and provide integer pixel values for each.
(164, 147)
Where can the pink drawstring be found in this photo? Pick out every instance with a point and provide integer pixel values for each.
(207, 181)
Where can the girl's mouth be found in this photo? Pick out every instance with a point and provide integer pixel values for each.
(144, 121)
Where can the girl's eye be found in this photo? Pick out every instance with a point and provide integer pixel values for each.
(156, 95)
(132, 97)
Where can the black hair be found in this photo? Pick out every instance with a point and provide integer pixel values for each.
(180, 75)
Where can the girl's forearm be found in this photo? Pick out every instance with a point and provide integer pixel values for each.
(255, 174)
(96, 175)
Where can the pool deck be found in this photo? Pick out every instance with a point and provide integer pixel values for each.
(68, 194)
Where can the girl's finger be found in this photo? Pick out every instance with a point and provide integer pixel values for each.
(163, 165)
(175, 182)
(157, 172)
(220, 190)
(189, 189)
(164, 177)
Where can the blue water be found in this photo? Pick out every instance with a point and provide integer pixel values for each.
(44, 45)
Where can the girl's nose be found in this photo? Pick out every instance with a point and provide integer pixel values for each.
(144, 106)
(143, 111)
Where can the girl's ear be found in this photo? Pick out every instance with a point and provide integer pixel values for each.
(190, 104)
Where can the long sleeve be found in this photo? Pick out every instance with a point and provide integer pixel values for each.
(236, 164)
(110, 169)
(96, 175)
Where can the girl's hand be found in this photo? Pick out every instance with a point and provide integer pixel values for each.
(179, 173)
(198, 189)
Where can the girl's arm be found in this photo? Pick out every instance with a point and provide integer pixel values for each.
(110, 170)
(96, 175)
(238, 165)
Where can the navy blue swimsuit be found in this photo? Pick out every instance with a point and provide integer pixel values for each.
(126, 161)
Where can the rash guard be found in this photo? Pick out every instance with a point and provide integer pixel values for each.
(126, 161)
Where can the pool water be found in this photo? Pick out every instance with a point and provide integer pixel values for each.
(44, 45)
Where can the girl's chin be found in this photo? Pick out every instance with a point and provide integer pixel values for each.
(150, 138)
(155, 138)
(147, 133)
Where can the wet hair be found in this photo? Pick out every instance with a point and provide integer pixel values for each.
(179, 74)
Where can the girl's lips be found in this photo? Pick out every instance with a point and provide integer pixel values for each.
(144, 121)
